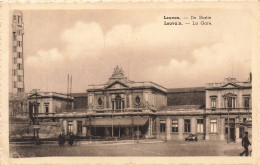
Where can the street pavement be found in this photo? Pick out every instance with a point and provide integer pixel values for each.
(130, 148)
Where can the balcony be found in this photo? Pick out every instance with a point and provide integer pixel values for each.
(14, 54)
(20, 72)
(19, 84)
(19, 38)
(14, 78)
(127, 110)
(14, 66)
(19, 60)
(19, 49)
(14, 43)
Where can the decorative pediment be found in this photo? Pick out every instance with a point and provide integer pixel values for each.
(117, 85)
(230, 85)
(34, 95)
(118, 75)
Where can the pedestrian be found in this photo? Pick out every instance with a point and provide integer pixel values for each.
(245, 144)
(71, 139)
(60, 140)
(63, 139)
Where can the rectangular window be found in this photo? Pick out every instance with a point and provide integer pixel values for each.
(14, 37)
(14, 60)
(79, 127)
(200, 125)
(70, 127)
(246, 102)
(230, 102)
(14, 17)
(187, 125)
(19, 32)
(14, 84)
(174, 125)
(20, 90)
(19, 66)
(19, 43)
(213, 102)
(19, 17)
(46, 109)
(14, 72)
(19, 54)
(162, 126)
(20, 78)
(14, 49)
(213, 125)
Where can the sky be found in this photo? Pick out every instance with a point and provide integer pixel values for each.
(88, 44)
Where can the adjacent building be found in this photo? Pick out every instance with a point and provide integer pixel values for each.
(17, 65)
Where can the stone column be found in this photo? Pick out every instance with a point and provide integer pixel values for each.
(181, 126)
(65, 125)
(237, 130)
(84, 131)
(106, 131)
(237, 134)
(130, 100)
(193, 125)
(168, 128)
(126, 131)
(240, 99)
(207, 128)
(222, 128)
(75, 127)
(219, 100)
(150, 126)
(133, 132)
(109, 102)
(51, 107)
(121, 105)
(105, 101)
(157, 128)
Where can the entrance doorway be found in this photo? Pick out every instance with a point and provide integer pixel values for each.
(232, 136)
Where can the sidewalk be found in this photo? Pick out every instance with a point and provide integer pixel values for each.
(87, 142)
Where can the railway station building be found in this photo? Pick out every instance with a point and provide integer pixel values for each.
(124, 109)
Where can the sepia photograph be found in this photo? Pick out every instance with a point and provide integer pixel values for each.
(130, 82)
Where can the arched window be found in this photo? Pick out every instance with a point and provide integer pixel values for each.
(230, 100)
(118, 102)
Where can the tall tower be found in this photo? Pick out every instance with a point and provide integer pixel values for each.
(17, 52)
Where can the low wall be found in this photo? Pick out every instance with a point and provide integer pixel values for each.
(50, 130)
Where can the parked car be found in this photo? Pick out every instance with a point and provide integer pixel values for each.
(191, 137)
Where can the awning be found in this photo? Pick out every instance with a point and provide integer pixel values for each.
(123, 121)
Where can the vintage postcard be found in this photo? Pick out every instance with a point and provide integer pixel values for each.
(130, 83)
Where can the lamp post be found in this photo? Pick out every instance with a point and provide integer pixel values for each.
(89, 127)
(36, 123)
(165, 126)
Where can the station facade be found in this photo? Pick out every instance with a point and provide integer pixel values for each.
(124, 109)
